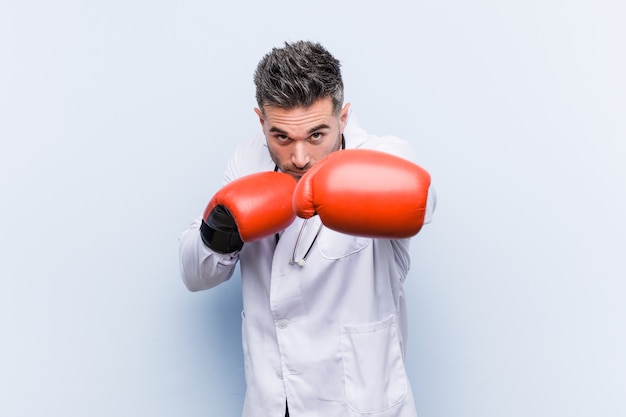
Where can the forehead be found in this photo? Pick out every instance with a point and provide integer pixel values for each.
(320, 112)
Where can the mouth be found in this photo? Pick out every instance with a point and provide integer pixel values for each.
(297, 174)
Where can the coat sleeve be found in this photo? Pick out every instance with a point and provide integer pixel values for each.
(200, 267)
(401, 148)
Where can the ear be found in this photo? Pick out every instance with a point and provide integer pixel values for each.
(260, 114)
(345, 113)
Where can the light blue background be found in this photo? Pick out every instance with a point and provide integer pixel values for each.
(116, 120)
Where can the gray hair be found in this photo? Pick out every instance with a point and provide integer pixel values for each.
(297, 75)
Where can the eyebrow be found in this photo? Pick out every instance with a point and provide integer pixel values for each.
(312, 130)
(318, 127)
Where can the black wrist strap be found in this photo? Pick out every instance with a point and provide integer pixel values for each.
(219, 232)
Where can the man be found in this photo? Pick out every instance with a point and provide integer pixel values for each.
(324, 314)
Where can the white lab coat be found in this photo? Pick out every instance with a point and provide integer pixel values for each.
(330, 336)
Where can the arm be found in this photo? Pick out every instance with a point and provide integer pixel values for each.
(247, 209)
(365, 193)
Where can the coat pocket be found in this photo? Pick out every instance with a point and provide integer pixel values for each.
(374, 374)
(334, 245)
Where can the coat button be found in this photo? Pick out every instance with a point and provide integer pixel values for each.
(282, 324)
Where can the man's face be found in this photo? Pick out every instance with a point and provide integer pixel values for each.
(299, 137)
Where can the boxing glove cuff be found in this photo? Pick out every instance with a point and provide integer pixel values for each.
(219, 231)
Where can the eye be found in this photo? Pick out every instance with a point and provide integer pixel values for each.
(316, 137)
(282, 138)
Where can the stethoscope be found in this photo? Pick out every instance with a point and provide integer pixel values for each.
(302, 261)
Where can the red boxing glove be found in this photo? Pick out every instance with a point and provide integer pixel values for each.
(366, 193)
(247, 209)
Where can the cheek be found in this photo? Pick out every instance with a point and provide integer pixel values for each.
(278, 154)
(320, 152)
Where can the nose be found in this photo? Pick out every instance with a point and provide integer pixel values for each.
(300, 157)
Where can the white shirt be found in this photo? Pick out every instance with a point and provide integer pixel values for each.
(329, 336)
